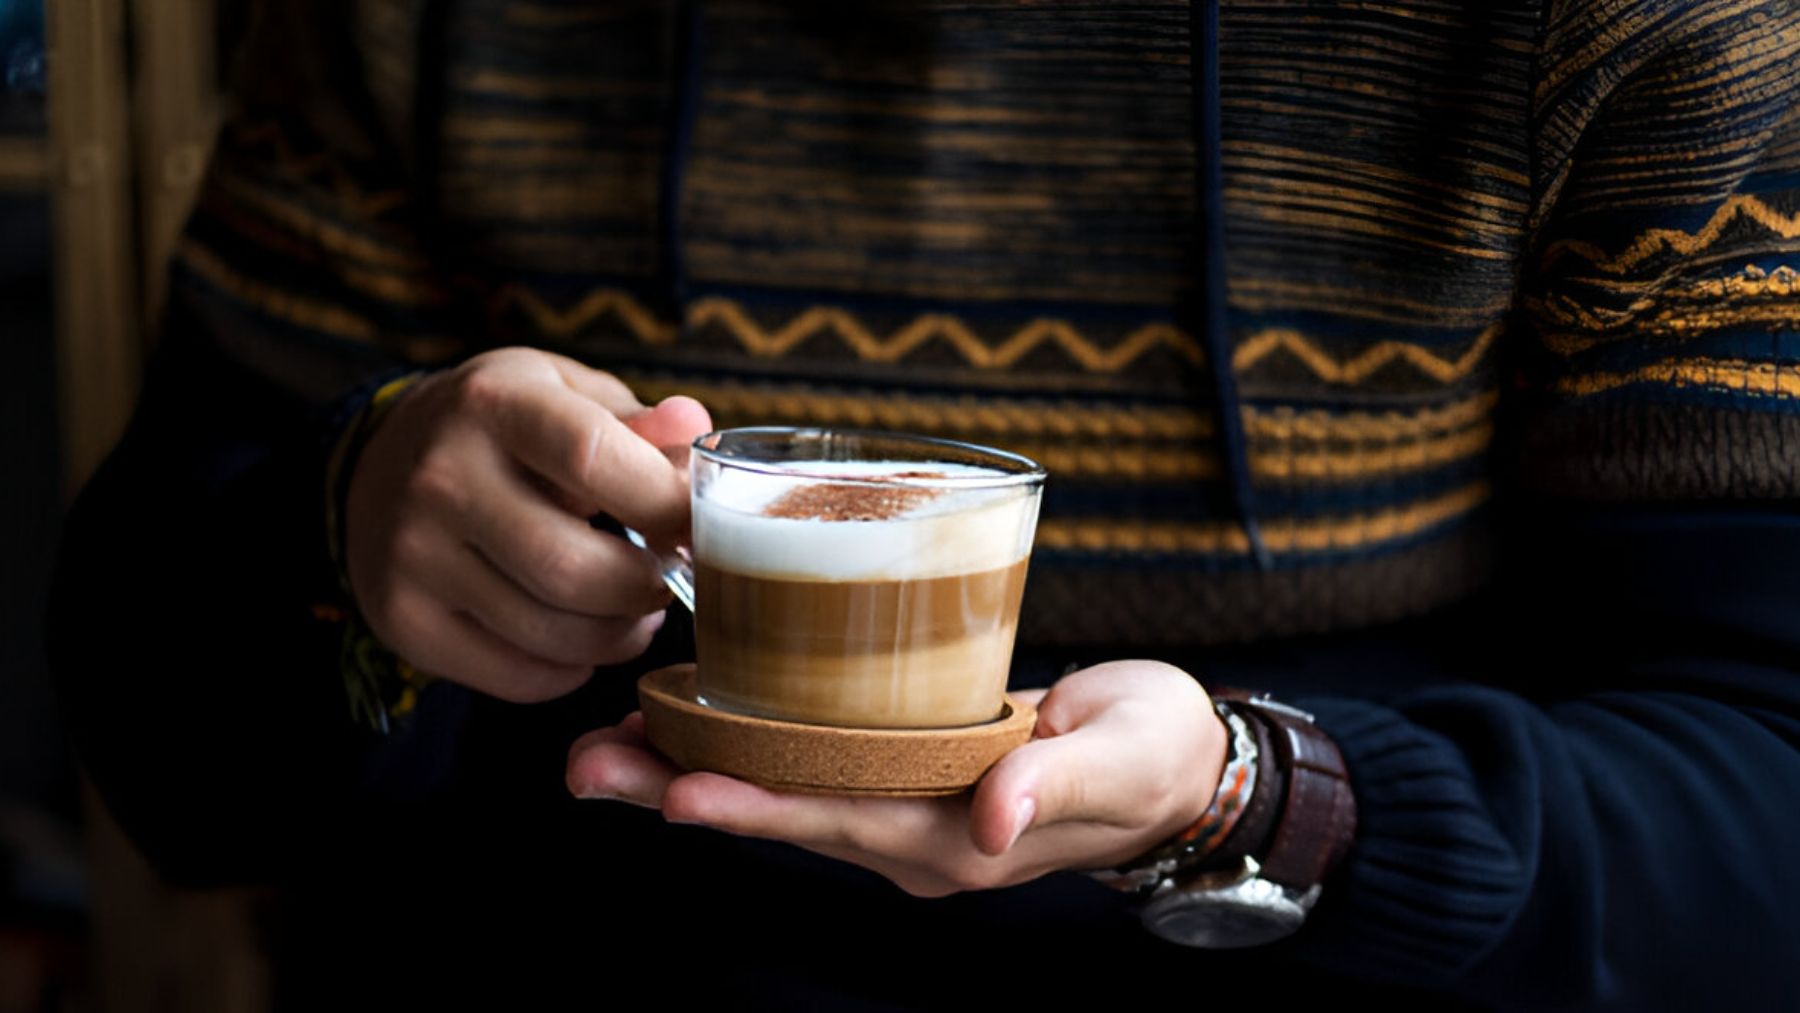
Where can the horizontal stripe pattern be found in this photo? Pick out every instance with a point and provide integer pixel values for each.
(976, 220)
(1132, 441)
(776, 335)
(1663, 303)
(1279, 534)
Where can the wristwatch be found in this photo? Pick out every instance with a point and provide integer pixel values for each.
(1260, 882)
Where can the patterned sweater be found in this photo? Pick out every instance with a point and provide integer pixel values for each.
(1419, 342)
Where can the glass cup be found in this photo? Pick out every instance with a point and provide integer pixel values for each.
(858, 578)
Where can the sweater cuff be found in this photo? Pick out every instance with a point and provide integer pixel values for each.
(1430, 885)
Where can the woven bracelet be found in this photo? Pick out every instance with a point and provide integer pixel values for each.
(379, 684)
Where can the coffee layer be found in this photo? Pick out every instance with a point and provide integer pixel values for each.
(928, 653)
(951, 530)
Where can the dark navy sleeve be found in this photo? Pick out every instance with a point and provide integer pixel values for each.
(195, 669)
(1609, 821)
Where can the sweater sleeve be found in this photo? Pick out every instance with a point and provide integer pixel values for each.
(1598, 813)
(198, 673)
(1594, 809)
(199, 680)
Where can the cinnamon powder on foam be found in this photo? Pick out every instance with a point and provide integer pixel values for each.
(827, 502)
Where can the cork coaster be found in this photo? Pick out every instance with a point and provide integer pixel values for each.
(823, 759)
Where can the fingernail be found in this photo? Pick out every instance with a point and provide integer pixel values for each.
(1023, 812)
(593, 794)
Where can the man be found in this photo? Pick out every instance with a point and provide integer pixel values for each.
(1422, 368)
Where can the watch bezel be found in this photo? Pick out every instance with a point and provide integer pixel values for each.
(1227, 909)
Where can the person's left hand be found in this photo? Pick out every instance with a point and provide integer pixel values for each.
(1124, 755)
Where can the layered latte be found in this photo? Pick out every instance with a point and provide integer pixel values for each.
(872, 594)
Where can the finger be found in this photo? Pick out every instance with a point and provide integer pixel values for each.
(1007, 799)
(557, 557)
(895, 827)
(455, 646)
(629, 731)
(672, 427)
(1077, 845)
(919, 844)
(585, 451)
(740, 807)
(1029, 697)
(1127, 744)
(1084, 775)
(632, 729)
(935, 866)
(598, 386)
(468, 580)
(1082, 697)
(617, 766)
(674, 423)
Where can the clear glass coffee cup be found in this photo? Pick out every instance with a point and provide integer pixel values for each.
(855, 578)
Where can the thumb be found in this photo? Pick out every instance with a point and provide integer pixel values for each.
(1076, 776)
(674, 423)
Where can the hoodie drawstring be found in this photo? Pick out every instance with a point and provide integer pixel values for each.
(676, 146)
(1203, 41)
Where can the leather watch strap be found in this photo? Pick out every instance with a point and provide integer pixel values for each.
(1257, 824)
(1314, 813)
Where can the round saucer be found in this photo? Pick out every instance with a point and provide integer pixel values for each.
(823, 759)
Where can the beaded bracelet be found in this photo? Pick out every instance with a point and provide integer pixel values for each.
(1199, 839)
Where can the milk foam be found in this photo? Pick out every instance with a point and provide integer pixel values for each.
(955, 531)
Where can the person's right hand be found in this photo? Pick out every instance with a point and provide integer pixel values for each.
(466, 527)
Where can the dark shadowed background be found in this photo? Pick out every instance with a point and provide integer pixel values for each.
(106, 115)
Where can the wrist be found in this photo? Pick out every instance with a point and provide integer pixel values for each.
(377, 397)
(379, 685)
(1261, 880)
(1219, 813)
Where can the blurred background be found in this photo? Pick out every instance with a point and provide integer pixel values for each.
(107, 108)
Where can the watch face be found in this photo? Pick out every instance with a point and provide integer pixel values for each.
(1249, 914)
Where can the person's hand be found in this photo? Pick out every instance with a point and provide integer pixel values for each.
(1124, 755)
(466, 528)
